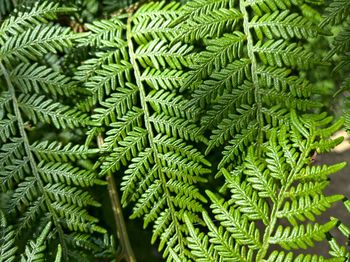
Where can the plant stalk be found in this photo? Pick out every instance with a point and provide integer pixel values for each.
(126, 252)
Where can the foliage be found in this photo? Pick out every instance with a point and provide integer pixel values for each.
(143, 121)
(338, 14)
(45, 181)
(160, 96)
(280, 185)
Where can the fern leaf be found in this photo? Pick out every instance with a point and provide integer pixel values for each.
(179, 128)
(164, 79)
(56, 152)
(219, 53)
(7, 241)
(236, 223)
(38, 14)
(279, 53)
(170, 104)
(210, 25)
(200, 244)
(40, 78)
(153, 21)
(282, 25)
(158, 55)
(7, 128)
(244, 196)
(301, 236)
(223, 243)
(269, 190)
(107, 79)
(132, 143)
(36, 42)
(122, 127)
(227, 103)
(34, 252)
(38, 108)
(102, 31)
(306, 207)
(40, 176)
(115, 106)
(262, 6)
(337, 11)
(227, 79)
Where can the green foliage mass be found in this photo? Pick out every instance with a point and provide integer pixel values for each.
(206, 112)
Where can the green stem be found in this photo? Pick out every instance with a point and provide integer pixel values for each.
(32, 161)
(258, 101)
(255, 78)
(280, 199)
(149, 129)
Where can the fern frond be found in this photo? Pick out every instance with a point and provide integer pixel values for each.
(7, 128)
(243, 231)
(104, 30)
(157, 54)
(280, 53)
(7, 240)
(219, 53)
(232, 125)
(33, 77)
(107, 79)
(228, 102)
(193, 8)
(336, 12)
(64, 173)
(116, 105)
(283, 25)
(34, 251)
(146, 125)
(246, 69)
(199, 244)
(301, 236)
(152, 21)
(176, 127)
(36, 42)
(284, 256)
(40, 109)
(34, 16)
(268, 190)
(40, 176)
(306, 207)
(164, 79)
(129, 146)
(226, 79)
(119, 129)
(262, 6)
(337, 248)
(210, 25)
(56, 152)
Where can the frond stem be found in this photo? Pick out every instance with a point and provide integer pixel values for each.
(280, 199)
(126, 252)
(255, 78)
(30, 156)
(148, 125)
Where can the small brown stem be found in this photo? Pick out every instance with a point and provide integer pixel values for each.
(126, 252)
